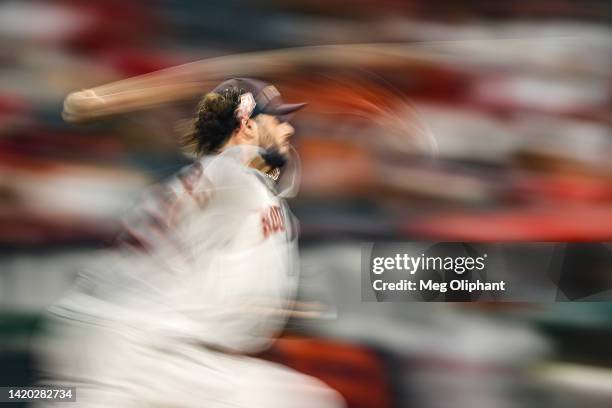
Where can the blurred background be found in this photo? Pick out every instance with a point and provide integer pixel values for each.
(506, 137)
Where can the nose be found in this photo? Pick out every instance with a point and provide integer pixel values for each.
(289, 130)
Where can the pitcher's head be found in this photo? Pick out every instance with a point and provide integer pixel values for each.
(242, 111)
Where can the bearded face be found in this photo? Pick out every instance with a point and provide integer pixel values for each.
(274, 136)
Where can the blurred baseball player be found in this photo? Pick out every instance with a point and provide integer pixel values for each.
(206, 271)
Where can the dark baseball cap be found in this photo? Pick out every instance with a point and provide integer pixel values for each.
(267, 98)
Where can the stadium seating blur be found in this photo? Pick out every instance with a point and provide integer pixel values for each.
(516, 96)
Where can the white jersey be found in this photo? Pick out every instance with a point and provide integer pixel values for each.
(240, 273)
(216, 265)
(209, 265)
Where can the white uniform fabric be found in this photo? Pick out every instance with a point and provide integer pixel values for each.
(146, 328)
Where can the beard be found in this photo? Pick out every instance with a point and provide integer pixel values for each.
(274, 157)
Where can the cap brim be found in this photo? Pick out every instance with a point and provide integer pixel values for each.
(285, 109)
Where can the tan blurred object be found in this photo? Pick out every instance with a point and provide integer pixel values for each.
(187, 81)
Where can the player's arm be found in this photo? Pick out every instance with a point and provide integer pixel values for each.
(187, 81)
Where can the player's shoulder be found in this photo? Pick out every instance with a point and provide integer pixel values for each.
(231, 166)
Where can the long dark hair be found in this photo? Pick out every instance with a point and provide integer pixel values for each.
(213, 124)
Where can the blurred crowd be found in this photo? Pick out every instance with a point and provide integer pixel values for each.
(493, 126)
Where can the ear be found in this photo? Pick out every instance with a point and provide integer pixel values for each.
(248, 130)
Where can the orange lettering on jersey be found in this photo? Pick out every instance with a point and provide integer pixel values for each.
(272, 221)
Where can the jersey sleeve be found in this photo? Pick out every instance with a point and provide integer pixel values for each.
(162, 207)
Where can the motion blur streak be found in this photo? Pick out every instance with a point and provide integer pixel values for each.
(485, 121)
